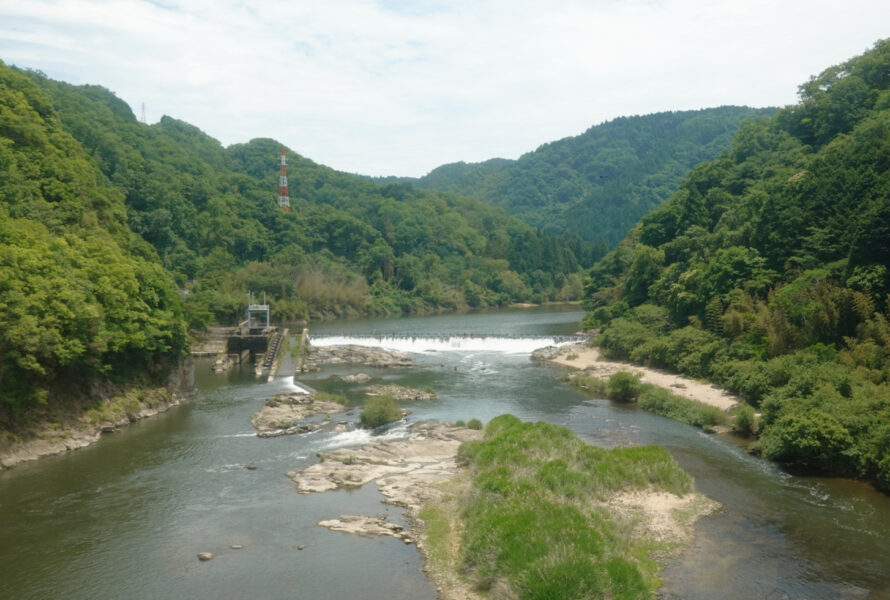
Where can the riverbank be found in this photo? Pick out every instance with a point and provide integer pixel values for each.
(443, 472)
(82, 421)
(586, 358)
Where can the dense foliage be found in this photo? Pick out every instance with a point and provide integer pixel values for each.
(599, 184)
(349, 246)
(80, 295)
(768, 272)
(379, 410)
(533, 526)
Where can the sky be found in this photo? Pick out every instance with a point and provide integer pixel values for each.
(399, 87)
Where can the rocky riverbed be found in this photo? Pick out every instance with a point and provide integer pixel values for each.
(318, 356)
(284, 414)
(405, 470)
(401, 393)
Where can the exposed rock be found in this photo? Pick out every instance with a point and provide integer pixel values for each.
(222, 364)
(357, 378)
(52, 438)
(362, 525)
(356, 355)
(553, 352)
(205, 556)
(400, 393)
(280, 415)
(405, 470)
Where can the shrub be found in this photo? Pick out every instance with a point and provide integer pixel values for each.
(474, 424)
(380, 410)
(745, 422)
(624, 386)
(460, 423)
(592, 385)
(814, 440)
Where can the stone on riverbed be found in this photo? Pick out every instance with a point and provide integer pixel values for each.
(401, 393)
(361, 525)
(352, 378)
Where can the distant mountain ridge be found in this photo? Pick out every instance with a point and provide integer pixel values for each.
(599, 184)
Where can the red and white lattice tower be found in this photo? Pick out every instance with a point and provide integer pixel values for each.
(283, 196)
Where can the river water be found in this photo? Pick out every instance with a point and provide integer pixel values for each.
(126, 517)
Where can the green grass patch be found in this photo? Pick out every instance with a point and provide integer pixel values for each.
(532, 525)
(662, 402)
(593, 386)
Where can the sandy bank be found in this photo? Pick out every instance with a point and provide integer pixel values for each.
(588, 359)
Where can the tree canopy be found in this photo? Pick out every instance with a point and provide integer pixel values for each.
(80, 295)
(768, 272)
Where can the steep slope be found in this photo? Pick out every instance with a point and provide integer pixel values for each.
(81, 298)
(350, 246)
(598, 184)
(768, 272)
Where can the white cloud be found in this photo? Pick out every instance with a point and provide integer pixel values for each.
(401, 86)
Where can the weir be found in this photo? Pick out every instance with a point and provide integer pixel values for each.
(450, 343)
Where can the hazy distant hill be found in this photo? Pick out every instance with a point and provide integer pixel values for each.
(600, 183)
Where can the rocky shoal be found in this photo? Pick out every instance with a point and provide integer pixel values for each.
(401, 393)
(282, 414)
(318, 356)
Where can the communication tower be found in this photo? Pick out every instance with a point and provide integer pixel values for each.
(283, 196)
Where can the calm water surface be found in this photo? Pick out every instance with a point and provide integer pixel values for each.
(126, 517)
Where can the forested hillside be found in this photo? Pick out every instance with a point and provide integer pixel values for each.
(350, 246)
(599, 184)
(768, 273)
(103, 218)
(81, 297)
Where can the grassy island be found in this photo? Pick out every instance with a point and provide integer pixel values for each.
(538, 513)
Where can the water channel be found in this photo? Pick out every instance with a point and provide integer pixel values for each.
(126, 517)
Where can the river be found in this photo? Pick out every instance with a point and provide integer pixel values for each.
(125, 518)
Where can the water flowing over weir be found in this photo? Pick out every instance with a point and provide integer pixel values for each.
(126, 517)
(418, 344)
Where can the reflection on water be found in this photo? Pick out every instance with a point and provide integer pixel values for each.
(126, 517)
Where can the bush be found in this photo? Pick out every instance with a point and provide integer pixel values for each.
(624, 386)
(460, 423)
(813, 440)
(475, 424)
(745, 422)
(380, 410)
